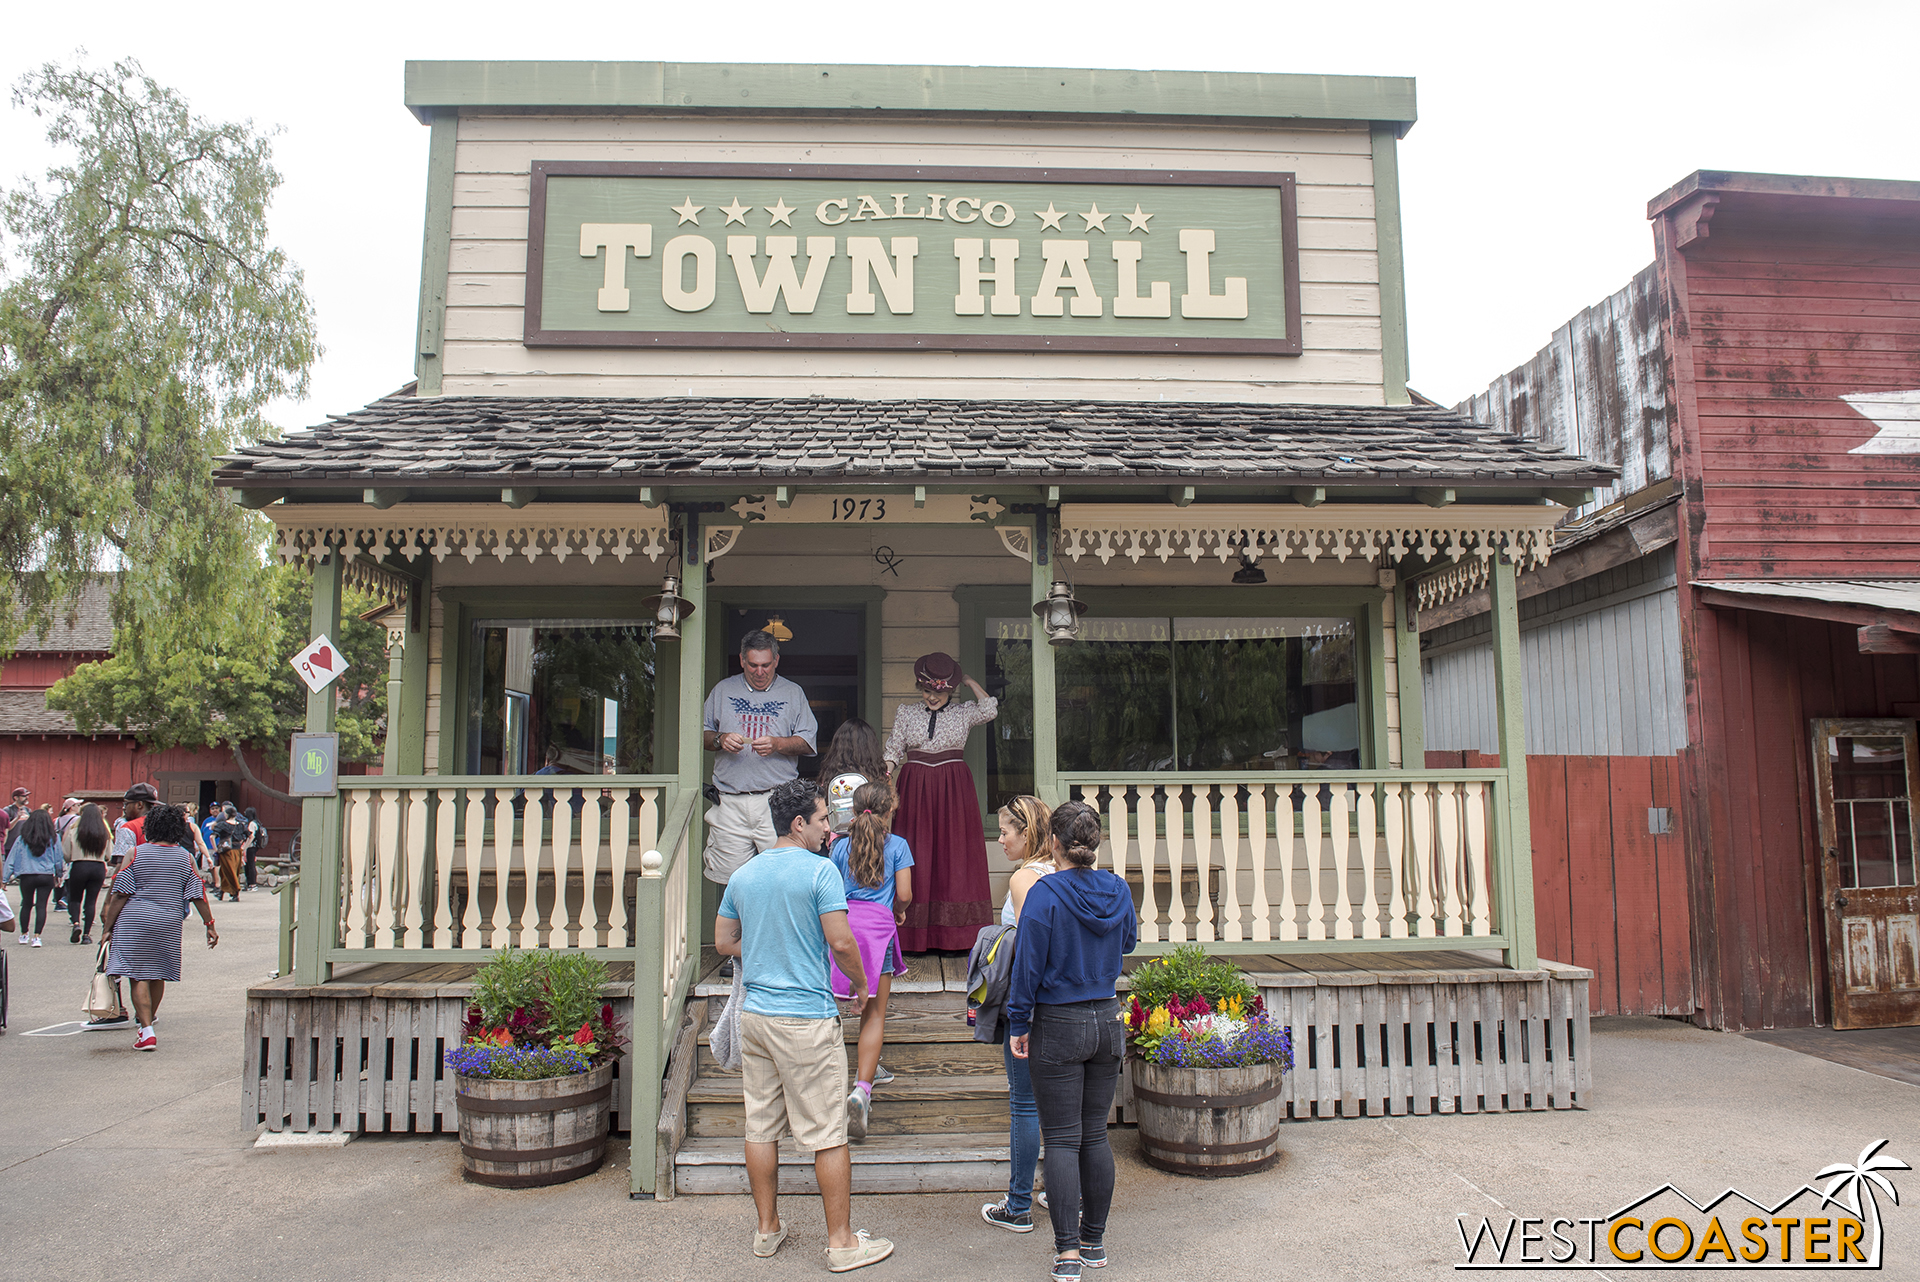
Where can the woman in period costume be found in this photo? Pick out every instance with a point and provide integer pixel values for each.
(939, 813)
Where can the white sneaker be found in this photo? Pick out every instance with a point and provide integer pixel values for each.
(35, 943)
(25, 938)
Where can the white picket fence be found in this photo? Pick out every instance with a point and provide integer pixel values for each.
(467, 864)
(1302, 857)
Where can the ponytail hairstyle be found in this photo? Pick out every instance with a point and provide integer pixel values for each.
(1029, 815)
(1076, 825)
(872, 824)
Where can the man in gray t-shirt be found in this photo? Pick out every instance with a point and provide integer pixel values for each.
(758, 723)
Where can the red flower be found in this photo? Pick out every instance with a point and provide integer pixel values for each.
(606, 1015)
(496, 1037)
(584, 1036)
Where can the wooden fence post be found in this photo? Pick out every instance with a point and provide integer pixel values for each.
(1514, 875)
(319, 816)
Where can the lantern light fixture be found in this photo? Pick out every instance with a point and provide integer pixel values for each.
(777, 628)
(669, 609)
(1060, 613)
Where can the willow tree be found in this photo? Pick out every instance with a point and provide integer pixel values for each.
(146, 322)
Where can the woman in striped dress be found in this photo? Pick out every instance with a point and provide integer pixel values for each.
(142, 917)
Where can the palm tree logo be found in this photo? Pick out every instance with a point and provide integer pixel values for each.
(1852, 1179)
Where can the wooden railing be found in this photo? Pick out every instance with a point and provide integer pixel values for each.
(666, 895)
(467, 865)
(1305, 861)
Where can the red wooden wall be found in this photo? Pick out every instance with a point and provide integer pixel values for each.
(1789, 304)
(1762, 956)
(1607, 894)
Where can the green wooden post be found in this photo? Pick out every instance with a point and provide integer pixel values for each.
(1376, 653)
(436, 252)
(650, 1039)
(1393, 283)
(1046, 746)
(1514, 875)
(413, 679)
(1413, 684)
(396, 676)
(319, 816)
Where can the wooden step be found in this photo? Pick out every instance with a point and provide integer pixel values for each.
(915, 1017)
(911, 1058)
(927, 1105)
(926, 973)
(975, 1162)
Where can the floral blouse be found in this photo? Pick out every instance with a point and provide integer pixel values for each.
(916, 729)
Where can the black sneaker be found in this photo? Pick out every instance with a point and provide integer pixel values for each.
(1094, 1257)
(1065, 1270)
(997, 1213)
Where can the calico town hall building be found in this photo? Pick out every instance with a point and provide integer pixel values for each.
(1095, 380)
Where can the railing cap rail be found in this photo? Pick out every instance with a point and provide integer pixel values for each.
(1478, 774)
(555, 782)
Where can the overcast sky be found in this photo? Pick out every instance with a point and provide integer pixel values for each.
(1544, 128)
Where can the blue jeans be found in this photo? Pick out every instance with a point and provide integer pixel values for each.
(1074, 1056)
(1025, 1137)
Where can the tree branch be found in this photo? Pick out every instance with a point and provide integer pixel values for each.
(246, 772)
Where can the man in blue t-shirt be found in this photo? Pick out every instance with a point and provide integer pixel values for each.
(780, 915)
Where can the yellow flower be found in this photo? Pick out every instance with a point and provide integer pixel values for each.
(1159, 1022)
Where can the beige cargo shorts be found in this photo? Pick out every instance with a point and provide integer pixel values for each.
(795, 1073)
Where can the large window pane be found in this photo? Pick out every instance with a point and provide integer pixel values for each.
(560, 696)
(1872, 813)
(1009, 678)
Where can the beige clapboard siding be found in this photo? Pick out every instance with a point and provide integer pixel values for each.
(1339, 265)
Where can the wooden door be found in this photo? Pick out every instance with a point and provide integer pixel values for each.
(1868, 775)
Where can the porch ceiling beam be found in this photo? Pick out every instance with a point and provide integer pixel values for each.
(1433, 497)
(1569, 498)
(518, 496)
(783, 495)
(1805, 608)
(256, 499)
(1309, 495)
(382, 499)
(1180, 495)
(1878, 638)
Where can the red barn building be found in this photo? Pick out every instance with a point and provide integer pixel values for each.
(41, 750)
(1729, 641)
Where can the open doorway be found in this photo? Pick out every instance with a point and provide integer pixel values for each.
(822, 650)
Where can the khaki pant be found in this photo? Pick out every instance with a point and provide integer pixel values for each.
(739, 828)
(795, 1079)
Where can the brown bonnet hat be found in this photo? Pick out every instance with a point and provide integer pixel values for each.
(936, 672)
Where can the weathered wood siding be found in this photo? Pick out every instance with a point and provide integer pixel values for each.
(1602, 668)
(1339, 262)
(1762, 958)
(1785, 313)
(1598, 389)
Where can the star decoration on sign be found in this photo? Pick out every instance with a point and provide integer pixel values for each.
(1137, 221)
(688, 211)
(779, 211)
(1050, 218)
(1095, 220)
(736, 212)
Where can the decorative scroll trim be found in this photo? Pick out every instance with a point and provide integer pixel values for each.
(1450, 585)
(470, 530)
(1375, 531)
(377, 580)
(721, 539)
(1017, 540)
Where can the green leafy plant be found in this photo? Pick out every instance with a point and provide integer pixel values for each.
(1193, 1011)
(1186, 973)
(509, 982)
(537, 1014)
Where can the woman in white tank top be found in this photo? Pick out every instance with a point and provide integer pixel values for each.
(1024, 838)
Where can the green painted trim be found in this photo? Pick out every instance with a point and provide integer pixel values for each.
(1374, 664)
(453, 685)
(690, 763)
(436, 252)
(826, 87)
(412, 713)
(1515, 870)
(319, 816)
(978, 603)
(653, 1034)
(1413, 685)
(1046, 691)
(1393, 262)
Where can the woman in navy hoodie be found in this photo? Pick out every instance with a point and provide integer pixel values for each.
(1063, 1017)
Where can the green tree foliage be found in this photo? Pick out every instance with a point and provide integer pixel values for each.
(192, 684)
(145, 324)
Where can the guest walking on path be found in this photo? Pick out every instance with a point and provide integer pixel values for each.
(142, 917)
(781, 914)
(876, 868)
(85, 848)
(1026, 841)
(940, 808)
(1063, 1019)
(34, 859)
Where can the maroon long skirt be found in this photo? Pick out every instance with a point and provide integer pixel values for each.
(939, 817)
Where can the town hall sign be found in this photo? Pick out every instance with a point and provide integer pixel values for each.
(795, 256)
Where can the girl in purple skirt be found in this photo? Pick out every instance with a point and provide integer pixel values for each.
(875, 866)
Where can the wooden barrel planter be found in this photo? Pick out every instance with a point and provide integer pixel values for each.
(1208, 1121)
(521, 1135)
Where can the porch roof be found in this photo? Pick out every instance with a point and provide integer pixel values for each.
(447, 442)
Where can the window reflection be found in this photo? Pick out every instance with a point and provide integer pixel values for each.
(560, 696)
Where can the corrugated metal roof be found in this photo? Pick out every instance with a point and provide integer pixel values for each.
(1872, 594)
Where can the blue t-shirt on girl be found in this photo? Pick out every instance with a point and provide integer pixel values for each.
(898, 856)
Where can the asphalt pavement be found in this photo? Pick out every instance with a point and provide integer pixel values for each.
(116, 1164)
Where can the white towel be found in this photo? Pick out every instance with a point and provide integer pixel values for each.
(724, 1041)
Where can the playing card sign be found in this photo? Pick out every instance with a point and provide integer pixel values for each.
(319, 664)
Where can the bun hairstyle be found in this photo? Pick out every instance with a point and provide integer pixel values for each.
(872, 824)
(1030, 816)
(167, 826)
(1076, 826)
